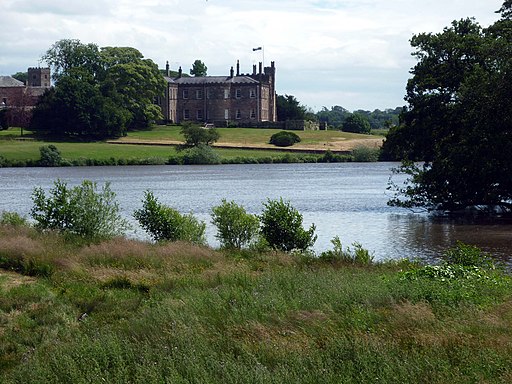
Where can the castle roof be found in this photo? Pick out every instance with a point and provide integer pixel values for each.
(202, 80)
(9, 81)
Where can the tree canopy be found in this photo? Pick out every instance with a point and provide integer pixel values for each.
(198, 69)
(458, 119)
(356, 123)
(99, 92)
(289, 108)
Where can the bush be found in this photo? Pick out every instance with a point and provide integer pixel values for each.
(13, 219)
(235, 227)
(50, 156)
(80, 211)
(364, 154)
(358, 255)
(200, 154)
(281, 227)
(284, 139)
(468, 256)
(164, 223)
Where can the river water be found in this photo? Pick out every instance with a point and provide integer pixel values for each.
(345, 199)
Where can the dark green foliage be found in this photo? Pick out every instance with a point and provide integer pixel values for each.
(335, 117)
(98, 93)
(81, 211)
(281, 227)
(458, 119)
(284, 139)
(364, 154)
(21, 76)
(357, 255)
(356, 123)
(198, 69)
(200, 154)
(164, 223)
(468, 256)
(235, 227)
(289, 108)
(195, 135)
(50, 156)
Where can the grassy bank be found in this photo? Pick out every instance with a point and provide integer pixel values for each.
(126, 311)
(18, 150)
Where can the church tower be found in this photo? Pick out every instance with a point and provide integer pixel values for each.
(39, 77)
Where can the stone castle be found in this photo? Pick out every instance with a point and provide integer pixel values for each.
(241, 98)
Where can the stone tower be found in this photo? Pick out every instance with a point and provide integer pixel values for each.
(39, 77)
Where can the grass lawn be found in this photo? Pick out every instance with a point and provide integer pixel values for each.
(124, 311)
(244, 136)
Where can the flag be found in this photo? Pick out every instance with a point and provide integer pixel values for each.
(256, 49)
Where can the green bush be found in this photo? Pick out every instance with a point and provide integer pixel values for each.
(358, 255)
(235, 227)
(164, 223)
(200, 154)
(467, 255)
(364, 154)
(81, 211)
(281, 227)
(50, 156)
(13, 219)
(284, 139)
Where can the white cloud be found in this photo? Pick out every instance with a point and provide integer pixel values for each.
(353, 53)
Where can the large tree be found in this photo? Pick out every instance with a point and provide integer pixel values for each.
(99, 92)
(198, 69)
(289, 108)
(458, 119)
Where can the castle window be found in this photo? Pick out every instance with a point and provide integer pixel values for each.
(238, 114)
(199, 114)
(253, 93)
(186, 114)
(226, 93)
(253, 113)
(4, 100)
(226, 114)
(199, 94)
(185, 93)
(45, 76)
(238, 93)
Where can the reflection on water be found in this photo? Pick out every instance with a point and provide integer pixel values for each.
(348, 200)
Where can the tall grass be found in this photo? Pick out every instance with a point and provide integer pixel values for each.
(126, 311)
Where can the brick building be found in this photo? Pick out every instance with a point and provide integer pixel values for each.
(20, 98)
(240, 98)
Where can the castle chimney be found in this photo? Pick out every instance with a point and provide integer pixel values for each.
(254, 69)
(180, 72)
(261, 68)
(167, 69)
(238, 67)
(232, 72)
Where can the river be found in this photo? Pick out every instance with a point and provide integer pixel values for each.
(344, 199)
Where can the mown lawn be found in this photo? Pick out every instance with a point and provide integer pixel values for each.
(124, 311)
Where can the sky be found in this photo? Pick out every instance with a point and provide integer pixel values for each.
(351, 53)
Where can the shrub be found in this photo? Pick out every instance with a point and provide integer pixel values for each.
(281, 227)
(284, 139)
(13, 219)
(200, 154)
(467, 255)
(358, 255)
(235, 227)
(81, 211)
(50, 156)
(164, 223)
(364, 154)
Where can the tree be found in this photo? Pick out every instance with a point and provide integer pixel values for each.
(21, 76)
(284, 139)
(356, 123)
(281, 227)
(164, 223)
(82, 211)
(50, 156)
(289, 108)
(98, 92)
(195, 135)
(235, 227)
(199, 69)
(459, 119)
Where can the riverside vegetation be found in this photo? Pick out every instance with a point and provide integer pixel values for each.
(96, 307)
